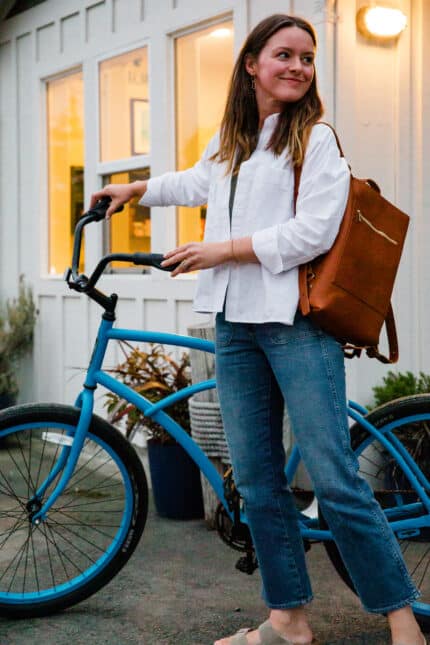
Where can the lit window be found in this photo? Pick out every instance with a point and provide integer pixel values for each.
(130, 230)
(124, 106)
(204, 63)
(65, 166)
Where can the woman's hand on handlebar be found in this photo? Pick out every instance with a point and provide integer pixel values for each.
(119, 194)
(197, 255)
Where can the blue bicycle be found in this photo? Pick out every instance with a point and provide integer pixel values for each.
(74, 496)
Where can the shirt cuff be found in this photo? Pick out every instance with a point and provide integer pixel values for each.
(265, 247)
(152, 196)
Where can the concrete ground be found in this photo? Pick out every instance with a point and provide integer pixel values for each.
(181, 588)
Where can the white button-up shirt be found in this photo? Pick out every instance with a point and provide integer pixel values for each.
(263, 209)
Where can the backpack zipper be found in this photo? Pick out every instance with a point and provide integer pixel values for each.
(361, 218)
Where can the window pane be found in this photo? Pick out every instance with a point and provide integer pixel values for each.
(204, 63)
(130, 230)
(65, 166)
(124, 106)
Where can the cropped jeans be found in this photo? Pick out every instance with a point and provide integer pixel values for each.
(258, 367)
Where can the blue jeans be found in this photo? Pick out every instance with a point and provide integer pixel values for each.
(258, 367)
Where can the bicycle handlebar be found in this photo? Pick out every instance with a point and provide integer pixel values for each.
(83, 284)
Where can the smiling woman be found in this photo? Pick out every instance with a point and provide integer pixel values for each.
(283, 71)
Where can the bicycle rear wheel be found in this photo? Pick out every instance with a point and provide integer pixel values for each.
(410, 417)
(93, 527)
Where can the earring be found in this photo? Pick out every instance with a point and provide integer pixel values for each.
(253, 83)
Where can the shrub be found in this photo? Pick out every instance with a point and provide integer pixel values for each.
(17, 321)
(400, 384)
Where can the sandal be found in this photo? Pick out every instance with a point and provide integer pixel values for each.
(267, 634)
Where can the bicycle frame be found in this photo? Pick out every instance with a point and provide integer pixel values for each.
(97, 376)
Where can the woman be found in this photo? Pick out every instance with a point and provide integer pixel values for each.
(266, 351)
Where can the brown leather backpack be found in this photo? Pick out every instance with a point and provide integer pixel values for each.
(347, 291)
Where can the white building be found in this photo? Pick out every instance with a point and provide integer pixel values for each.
(107, 90)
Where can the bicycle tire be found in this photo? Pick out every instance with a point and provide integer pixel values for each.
(93, 527)
(391, 486)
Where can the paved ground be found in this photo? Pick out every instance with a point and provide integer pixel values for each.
(181, 588)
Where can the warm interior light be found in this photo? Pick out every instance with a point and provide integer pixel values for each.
(380, 22)
(221, 32)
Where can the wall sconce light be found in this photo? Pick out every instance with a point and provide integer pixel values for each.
(380, 22)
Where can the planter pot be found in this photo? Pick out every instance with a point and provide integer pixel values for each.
(207, 428)
(175, 482)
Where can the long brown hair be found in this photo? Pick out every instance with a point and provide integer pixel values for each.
(239, 126)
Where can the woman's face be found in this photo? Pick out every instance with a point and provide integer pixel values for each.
(284, 69)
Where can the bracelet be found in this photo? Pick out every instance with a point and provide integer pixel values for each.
(233, 255)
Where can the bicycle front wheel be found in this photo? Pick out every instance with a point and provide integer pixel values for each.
(410, 419)
(93, 527)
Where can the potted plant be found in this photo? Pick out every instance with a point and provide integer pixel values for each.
(175, 477)
(17, 319)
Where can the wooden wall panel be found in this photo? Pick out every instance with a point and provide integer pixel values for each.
(46, 42)
(157, 315)
(259, 10)
(71, 36)
(124, 12)
(49, 381)
(185, 316)
(97, 23)
(75, 332)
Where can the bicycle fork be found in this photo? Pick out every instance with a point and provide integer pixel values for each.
(66, 462)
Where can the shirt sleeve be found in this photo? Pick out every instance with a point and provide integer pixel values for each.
(183, 188)
(323, 193)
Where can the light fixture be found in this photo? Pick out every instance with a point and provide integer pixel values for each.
(380, 22)
(221, 32)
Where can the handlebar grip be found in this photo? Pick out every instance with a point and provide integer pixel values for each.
(152, 260)
(98, 211)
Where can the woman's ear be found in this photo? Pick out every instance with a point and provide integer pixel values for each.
(250, 64)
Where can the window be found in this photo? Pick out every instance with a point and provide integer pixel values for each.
(203, 66)
(130, 230)
(124, 106)
(65, 165)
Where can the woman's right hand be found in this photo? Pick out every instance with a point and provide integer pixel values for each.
(119, 194)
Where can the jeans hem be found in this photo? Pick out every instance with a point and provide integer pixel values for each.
(289, 605)
(398, 605)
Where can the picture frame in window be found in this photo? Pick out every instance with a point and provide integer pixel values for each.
(139, 126)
